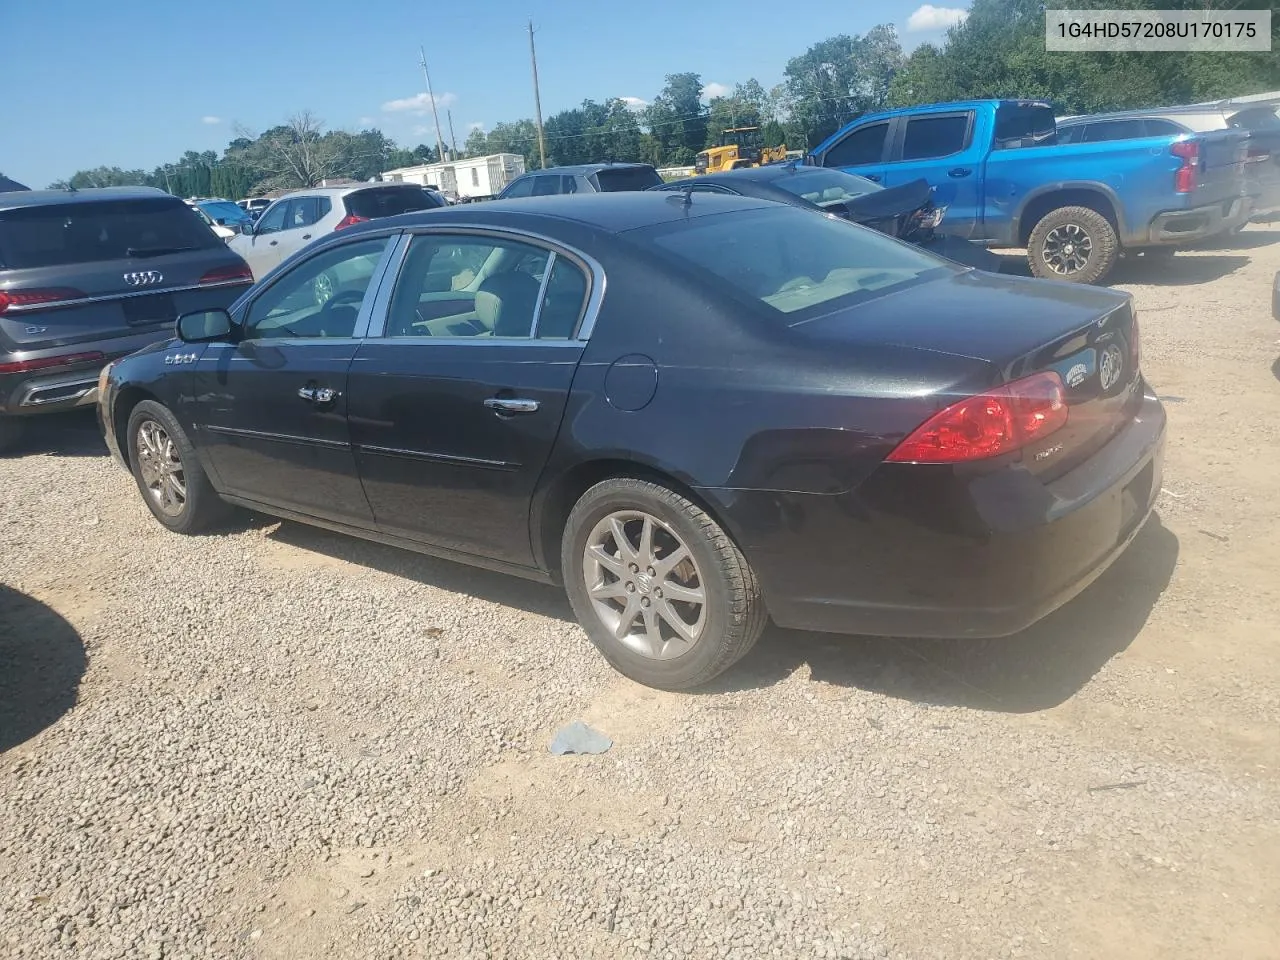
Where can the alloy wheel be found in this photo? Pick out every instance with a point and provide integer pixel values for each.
(322, 289)
(1067, 249)
(161, 468)
(645, 585)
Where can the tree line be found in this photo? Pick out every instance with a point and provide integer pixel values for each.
(997, 51)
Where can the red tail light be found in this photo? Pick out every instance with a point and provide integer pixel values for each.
(350, 220)
(22, 366)
(49, 296)
(1188, 151)
(990, 424)
(234, 273)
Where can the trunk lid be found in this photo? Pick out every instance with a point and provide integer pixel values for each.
(1018, 327)
(88, 270)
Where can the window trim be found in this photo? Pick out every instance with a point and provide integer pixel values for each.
(595, 274)
(899, 136)
(376, 279)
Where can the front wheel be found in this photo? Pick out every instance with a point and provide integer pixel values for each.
(168, 473)
(660, 588)
(1076, 244)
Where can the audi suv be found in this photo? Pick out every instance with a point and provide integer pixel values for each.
(87, 276)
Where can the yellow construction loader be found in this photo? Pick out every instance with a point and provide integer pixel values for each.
(739, 147)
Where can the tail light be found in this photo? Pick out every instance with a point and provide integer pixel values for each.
(990, 424)
(43, 363)
(47, 297)
(233, 273)
(1188, 151)
(1258, 155)
(350, 220)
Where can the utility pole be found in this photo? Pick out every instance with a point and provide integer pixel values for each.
(537, 100)
(453, 139)
(422, 59)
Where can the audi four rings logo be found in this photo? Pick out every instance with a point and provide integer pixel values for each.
(143, 278)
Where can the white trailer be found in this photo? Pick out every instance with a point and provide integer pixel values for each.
(474, 178)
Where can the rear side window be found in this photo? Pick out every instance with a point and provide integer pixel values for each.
(71, 233)
(626, 178)
(304, 211)
(1163, 128)
(1256, 118)
(1108, 130)
(1030, 125)
(929, 137)
(388, 202)
(547, 186)
(864, 145)
(1070, 134)
(797, 265)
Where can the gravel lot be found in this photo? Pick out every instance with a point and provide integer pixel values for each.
(282, 743)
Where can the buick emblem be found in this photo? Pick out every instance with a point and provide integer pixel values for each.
(144, 278)
(1110, 366)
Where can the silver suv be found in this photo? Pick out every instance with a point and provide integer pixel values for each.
(87, 276)
(296, 219)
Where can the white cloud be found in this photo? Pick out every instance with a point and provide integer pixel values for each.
(366, 121)
(929, 17)
(634, 103)
(713, 90)
(419, 104)
(211, 120)
(475, 125)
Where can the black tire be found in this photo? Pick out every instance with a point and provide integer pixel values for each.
(733, 607)
(201, 508)
(1073, 221)
(12, 430)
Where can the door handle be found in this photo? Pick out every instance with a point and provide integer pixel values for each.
(958, 172)
(274, 242)
(306, 236)
(872, 176)
(511, 405)
(318, 395)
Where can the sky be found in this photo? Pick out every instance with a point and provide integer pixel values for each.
(134, 84)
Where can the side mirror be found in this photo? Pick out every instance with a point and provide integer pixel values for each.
(204, 326)
(247, 228)
(221, 221)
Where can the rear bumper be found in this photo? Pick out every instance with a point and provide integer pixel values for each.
(1185, 226)
(938, 554)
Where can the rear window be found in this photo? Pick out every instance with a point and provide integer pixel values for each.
(627, 178)
(71, 233)
(1024, 125)
(797, 264)
(373, 204)
(826, 187)
(1256, 118)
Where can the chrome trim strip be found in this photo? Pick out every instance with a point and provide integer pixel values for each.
(437, 457)
(460, 341)
(386, 285)
(112, 297)
(542, 295)
(278, 437)
(376, 282)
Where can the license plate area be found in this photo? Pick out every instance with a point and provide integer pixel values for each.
(148, 310)
(1134, 499)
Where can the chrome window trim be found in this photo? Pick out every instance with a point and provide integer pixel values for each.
(542, 294)
(590, 265)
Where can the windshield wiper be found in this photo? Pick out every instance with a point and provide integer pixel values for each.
(156, 251)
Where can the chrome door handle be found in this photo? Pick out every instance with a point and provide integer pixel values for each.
(306, 236)
(501, 405)
(307, 393)
(319, 395)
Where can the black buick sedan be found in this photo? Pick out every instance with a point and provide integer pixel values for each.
(694, 412)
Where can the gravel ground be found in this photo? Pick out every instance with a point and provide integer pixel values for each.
(281, 743)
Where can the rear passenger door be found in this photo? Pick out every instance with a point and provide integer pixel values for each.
(940, 148)
(863, 150)
(456, 397)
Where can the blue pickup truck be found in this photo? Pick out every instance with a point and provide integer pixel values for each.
(997, 168)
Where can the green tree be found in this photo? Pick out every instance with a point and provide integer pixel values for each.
(677, 121)
(839, 78)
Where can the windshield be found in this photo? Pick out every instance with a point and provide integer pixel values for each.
(826, 187)
(224, 210)
(798, 264)
(60, 234)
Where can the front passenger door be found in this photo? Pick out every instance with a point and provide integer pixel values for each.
(262, 251)
(271, 407)
(862, 151)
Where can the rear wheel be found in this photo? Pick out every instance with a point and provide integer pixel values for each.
(659, 587)
(168, 473)
(1076, 244)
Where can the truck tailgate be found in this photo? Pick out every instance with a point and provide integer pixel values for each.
(1222, 165)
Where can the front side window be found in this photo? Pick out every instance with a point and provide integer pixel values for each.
(792, 263)
(273, 220)
(467, 286)
(862, 146)
(519, 188)
(320, 297)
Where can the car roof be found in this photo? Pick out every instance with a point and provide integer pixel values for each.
(39, 198)
(346, 189)
(589, 168)
(769, 173)
(606, 212)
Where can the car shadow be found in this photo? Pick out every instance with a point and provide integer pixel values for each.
(506, 589)
(41, 662)
(72, 434)
(1245, 240)
(1177, 271)
(1275, 368)
(1038, 668)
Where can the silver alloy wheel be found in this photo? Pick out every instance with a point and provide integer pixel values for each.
(1067, 249)
(644, 585)
(161, 468)
(322, 289)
